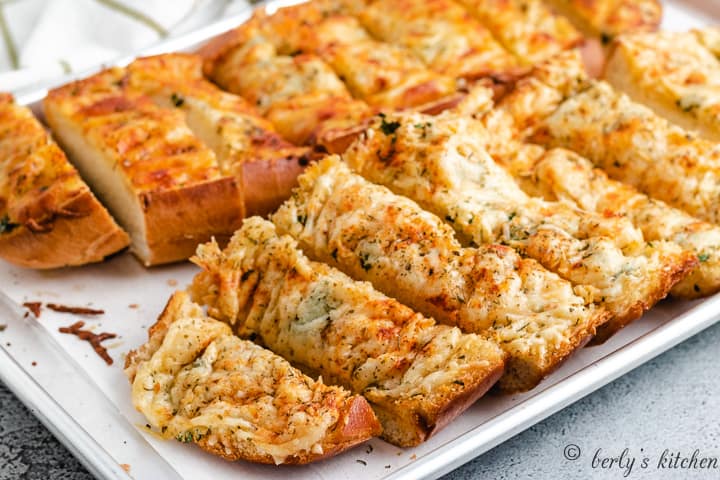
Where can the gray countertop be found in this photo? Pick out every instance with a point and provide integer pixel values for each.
(672, 402)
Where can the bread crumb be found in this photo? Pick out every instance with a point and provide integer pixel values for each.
(172, 282)
(413, 457)
(34, 364)
(134, 306)
(125, 467)
(34, 307)
(2, 327)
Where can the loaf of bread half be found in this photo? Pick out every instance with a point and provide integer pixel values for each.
(417, 375)
(161, 183)
(49, 218)
(197, 382)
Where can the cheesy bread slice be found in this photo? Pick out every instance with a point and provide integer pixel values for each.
(636, 146)
(609, 18)
(371, 234)
(300, 94)
(161, 183)
(245, 144)
(442, 34)
(441, 163)
(49, 218)
(562, 175)
(417, 375)
(527, 28)
(197, 382)
(673, 74)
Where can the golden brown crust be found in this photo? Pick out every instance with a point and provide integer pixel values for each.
(48, 216)
(178, 220)
(84, 234)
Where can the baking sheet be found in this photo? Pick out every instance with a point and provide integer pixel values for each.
(87, 403)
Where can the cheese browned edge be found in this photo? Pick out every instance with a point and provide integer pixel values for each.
(527, 28)
(244, 143)
(607, 19)
(561, 175)
(158, 180)
(197, 382)
(442, 163)
(417, 375)
(673, 74)
(49, 218)
(443, 35)
(300, 94)
(636, 146)
(410, 254)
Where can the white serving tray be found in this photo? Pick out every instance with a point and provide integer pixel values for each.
(86, 403)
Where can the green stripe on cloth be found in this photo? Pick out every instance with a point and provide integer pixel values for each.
(7, 38)
(135, 15)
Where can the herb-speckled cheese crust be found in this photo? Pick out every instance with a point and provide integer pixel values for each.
(635, 146)
(382, 74)
(673, 74)
(528, 28)
(562, 175)
(407, 367)
(609, 18)
(300, 94)
(410, 254)
(197, 382)
(441, 33)
(441, 163)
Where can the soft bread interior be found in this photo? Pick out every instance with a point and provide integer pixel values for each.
(108, 183)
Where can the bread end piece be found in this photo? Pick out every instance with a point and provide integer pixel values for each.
(183, 340)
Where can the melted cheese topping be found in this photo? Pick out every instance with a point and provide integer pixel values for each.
(228, 124)
(152, 146)
(562, 175)
(609, 18)
(441, 162)
(527, 28)
(674, 70)
(301, 95)
(36, 179)
(318, 317)
(635, 146)
(441, 33)
(410, 254)
(709, 37)
(381, 74)
(197, 382)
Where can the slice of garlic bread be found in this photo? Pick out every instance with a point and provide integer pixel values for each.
(197, 382)
(636, 146)
(527, 28)
(442, 34)
(49, 218)
(441, 162)
(244, 143)
(673, 74)
(159, 181)
(562, 175)
(417, 376)
(408, 253)
(609, 18)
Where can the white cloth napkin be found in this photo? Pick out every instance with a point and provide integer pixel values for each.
(45, 39)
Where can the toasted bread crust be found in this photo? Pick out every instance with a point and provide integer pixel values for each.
(83, 233)
(352, 418)
(49, 216)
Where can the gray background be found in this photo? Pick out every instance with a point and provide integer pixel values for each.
(672, 402)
